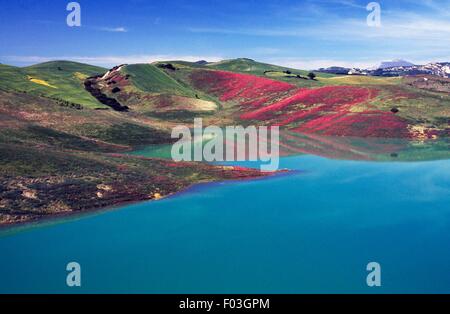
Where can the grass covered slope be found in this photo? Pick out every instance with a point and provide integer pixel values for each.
(150, 79)
(62, 80)
(246, 91)
(151, 91)
(29, 119)
(249, 66)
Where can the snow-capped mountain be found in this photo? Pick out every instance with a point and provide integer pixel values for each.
(394, 64)
(441, 69)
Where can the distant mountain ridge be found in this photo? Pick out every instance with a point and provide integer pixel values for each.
(394, 68)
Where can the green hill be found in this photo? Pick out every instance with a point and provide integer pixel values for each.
(151, 79)
(54, 67)
(62, 80)
(181, 64)
(249, 66)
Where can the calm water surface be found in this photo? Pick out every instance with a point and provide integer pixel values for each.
(313, 230)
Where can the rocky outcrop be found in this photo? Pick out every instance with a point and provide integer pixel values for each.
(90, 86)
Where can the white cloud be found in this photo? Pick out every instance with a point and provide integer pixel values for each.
(347, 3)
(409, 27)
(114, 29)
(401, 35)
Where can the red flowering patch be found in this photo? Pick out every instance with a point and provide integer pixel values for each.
(261, 114)
(328, 97)
(249, 89)
(381, 124)
(326, 110)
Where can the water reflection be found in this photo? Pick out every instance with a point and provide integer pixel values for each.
(347, 148)
(354, 148)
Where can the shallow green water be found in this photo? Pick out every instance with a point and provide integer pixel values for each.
(313, 230)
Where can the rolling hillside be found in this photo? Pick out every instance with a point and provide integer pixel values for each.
(365, 110)
(61, 80)
(249, 66)
(151, 79)
(242, 91)
(155, 92)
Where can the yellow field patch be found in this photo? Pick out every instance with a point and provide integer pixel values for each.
(359, 79)
(276, 74)
(358, 108)
(194, 104)
(80, 76)
(203, 105)
(419, 132)
(40, 82)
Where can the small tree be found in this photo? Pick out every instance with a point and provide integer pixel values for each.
(311, 75)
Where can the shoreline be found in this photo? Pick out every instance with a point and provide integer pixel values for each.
(62, 217)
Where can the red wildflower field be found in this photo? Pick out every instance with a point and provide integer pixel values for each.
(327, 97)
(245, 88)
(325, 110)
(365, 124)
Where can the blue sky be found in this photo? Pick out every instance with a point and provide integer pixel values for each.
(302, 34)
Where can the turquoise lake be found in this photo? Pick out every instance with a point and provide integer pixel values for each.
(313, 230)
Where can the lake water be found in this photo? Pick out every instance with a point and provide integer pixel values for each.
(311, 231)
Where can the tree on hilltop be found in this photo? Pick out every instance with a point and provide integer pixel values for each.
(311, 75)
